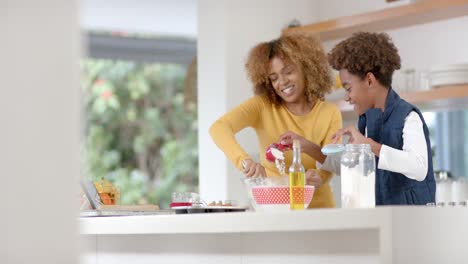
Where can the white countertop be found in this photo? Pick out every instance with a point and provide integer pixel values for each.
(309, 220)
(380, 235)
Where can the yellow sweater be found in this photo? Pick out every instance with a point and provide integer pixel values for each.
(269, 122)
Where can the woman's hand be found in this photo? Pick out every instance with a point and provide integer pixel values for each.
(288, 137)
(312, 178)
(355, 137)
(307, 147)
(253, 169)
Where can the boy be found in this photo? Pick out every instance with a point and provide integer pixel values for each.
(395, 129)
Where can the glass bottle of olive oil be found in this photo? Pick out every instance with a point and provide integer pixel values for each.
(296, 179)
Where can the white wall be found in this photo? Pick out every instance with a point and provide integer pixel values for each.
(39, 139)
(212, 90)
(226, 32)
(161, 17)
(3, 187)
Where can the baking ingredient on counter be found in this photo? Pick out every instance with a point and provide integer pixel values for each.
(184, 199)
(296, 179)
(191, 203)
(221, 203)
(450, 189)
(108, 193)
(267, 181)
(275, 153)
(444, 186)
(103, 197)
(459, 189)
(357, 177)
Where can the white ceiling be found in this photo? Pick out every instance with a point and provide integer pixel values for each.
(159, 17)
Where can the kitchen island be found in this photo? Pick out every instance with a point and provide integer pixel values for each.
(380, 235)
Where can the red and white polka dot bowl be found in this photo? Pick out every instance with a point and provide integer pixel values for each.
(276, 198)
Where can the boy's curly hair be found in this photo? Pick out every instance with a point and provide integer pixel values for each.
(366, 52)
(303, 50)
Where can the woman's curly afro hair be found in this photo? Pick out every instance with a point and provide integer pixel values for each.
(366, 52)
(303, 50)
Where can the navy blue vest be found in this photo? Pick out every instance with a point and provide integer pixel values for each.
(387, 128)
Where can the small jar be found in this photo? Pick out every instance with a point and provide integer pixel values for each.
(409, 76)
(443, 187)
(459, 189)
(181, 199)
(357, 176)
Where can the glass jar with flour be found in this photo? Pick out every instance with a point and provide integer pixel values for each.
(357, 176)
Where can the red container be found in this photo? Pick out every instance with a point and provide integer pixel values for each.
(280, 147)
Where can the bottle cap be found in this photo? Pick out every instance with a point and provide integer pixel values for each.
(296, 143)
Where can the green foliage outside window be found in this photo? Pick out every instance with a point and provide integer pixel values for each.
(140, 132)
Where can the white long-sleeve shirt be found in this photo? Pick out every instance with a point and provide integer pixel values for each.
(411, 161)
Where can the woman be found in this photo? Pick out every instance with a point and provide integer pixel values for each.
(395, 129)
(290, 76)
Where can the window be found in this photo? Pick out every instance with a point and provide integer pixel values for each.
(141, 116)
(449, 139)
